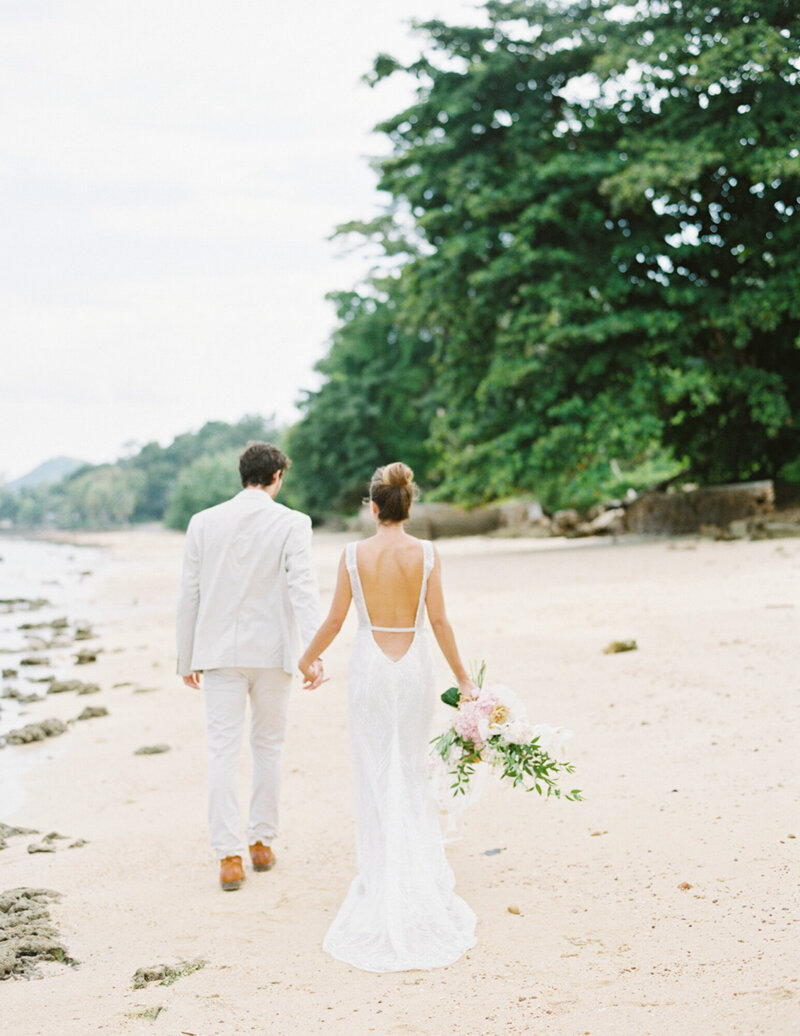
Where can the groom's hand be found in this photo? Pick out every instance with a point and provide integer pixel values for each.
(193, 681)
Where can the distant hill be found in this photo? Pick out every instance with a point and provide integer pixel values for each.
(50, 471)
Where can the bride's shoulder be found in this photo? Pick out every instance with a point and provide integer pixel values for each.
(355, 548)
(428, 549)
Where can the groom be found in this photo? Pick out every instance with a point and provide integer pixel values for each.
(248, 587)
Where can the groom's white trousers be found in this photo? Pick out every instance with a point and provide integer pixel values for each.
(227, 692)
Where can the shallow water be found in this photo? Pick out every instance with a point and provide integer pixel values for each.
(62, 575)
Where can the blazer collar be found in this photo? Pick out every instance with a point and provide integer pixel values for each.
(255, 497)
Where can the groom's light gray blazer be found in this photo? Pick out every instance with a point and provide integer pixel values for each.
(248, 586)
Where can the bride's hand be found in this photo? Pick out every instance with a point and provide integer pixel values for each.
(467, 689)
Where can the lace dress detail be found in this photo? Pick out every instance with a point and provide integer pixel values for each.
(400, 912)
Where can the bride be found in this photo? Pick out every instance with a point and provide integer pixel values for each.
(400, 912)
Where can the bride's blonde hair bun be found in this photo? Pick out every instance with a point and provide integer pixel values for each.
(393, 489)
(398, 474)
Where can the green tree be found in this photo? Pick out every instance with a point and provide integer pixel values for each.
(139, 488)
(712, 139)
(8, 505)
(101, 497)
(40, 505)
(161, 466)
(375, 405)
(207, 481)
(603, 255)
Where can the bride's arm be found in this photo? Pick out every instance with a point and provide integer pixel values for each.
(326, 634)
(443, 631)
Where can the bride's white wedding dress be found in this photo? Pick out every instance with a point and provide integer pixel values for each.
(400, 912)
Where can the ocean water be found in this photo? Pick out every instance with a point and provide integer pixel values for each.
(61, 576)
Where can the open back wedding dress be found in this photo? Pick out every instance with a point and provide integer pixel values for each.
(400, 912)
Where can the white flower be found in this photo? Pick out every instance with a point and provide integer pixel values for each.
(518, 732)
(505, 696)
(551, 739)
(508, 715)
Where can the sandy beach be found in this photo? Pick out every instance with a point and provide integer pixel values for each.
(665, 903)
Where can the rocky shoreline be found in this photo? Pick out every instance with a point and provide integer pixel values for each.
(62, 636)
(38, 656)
(41, 657)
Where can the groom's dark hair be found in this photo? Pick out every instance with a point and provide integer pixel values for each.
(258, 463)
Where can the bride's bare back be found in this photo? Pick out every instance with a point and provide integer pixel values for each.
(391, 578)
(390, 568)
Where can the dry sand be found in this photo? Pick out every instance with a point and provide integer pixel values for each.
(685, 750)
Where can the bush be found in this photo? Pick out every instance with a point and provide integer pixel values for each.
(206, 482)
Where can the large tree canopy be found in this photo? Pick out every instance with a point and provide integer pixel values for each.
(375, 406)
(603, 259)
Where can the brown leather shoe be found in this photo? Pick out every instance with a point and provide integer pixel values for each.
(262, 857)
(231, 873)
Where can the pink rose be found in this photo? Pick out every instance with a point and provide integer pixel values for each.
(472, 718)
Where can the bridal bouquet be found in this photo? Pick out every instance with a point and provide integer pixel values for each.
(493, 728)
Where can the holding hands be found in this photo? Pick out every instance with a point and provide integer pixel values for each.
(313, 673)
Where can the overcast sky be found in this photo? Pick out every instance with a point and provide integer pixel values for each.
(171, 171)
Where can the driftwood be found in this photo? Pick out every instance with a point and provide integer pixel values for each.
(681, 512)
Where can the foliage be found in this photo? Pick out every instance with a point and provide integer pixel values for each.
(99, 498)
(374, 407)
(601, 261)
(8, 505)
(206, 482)
(161, 466)
(196, 470)
(32, 505)
(715, 165)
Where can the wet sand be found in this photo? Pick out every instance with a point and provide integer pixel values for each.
(665, 903)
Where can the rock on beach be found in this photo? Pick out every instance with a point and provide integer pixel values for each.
(165, 974)
(78, 686)
(93, 712)
(151, 750)
(36, 731)
(14, 604)
(27, 935)
(7, 831)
